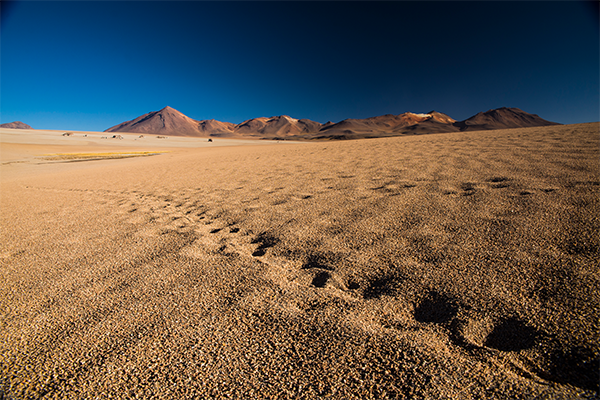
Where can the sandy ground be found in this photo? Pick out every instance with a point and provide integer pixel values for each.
(449, 266)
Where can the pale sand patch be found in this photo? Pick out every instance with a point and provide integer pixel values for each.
(460, 265)
(31, 146)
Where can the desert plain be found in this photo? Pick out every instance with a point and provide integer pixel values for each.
(461, 265)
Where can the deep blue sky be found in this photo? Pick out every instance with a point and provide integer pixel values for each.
(91, 65)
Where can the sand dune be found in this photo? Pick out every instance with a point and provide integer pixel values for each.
(459, 266)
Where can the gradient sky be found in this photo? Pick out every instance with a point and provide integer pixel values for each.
(91, 65)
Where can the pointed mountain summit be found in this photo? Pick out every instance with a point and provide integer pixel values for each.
(15, 125)
(502, 118)
(166, 121)
(442, 118)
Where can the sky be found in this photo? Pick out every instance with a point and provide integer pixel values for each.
(85, 65)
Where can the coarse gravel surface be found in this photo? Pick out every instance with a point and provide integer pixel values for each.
(447, 266)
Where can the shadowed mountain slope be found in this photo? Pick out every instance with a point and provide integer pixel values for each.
(212, 127)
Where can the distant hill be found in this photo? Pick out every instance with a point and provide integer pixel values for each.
(391, 125)
(502, 118)
(212, 127)
(171, 122)
(281, 127)
(15, 125)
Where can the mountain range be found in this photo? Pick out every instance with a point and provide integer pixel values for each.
(172, 122)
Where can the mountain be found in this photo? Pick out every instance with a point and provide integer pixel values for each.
(502, 118)
(171, 122)
(166, 121)
(390, 125)
(212, 127)
(280, 127)
(441, 118)
(15, 125)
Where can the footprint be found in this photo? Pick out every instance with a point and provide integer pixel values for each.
(381, 286)
(436, 308)
(352, 284)
(468, 188)
(499, 182)
(511, 334)
(264, 241)
(317, 261)
(576, 365)
(320, 279)
(303, 197)
(394, 187)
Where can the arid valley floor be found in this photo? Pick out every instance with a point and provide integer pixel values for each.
(449, 266)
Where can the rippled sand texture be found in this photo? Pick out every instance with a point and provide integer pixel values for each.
(461, 265)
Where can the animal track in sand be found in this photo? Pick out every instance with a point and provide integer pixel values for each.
(352, 284)
(386, 285)
(498, 182)
(320, 279)
(394, 188)
(479, 330)
(436, 308)
(302, 197)
(449, 192)
(317, 261)
(264, 241)
(511, 334)
(468, 188)
(165, 215)
(498, 179)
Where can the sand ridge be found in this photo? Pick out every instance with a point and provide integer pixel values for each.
(462, 265)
